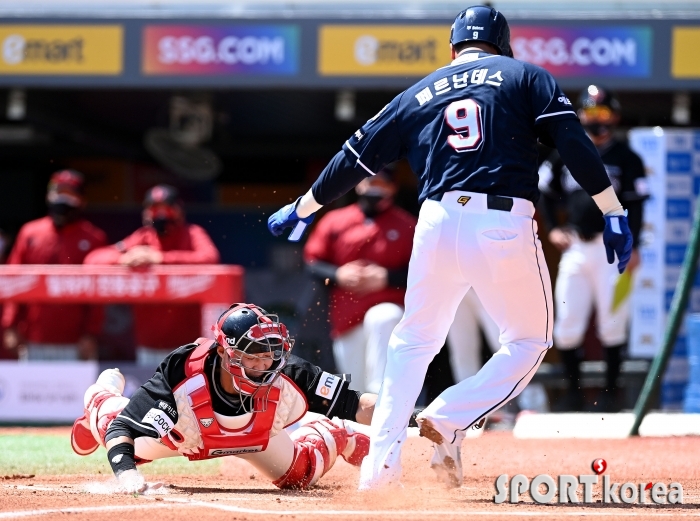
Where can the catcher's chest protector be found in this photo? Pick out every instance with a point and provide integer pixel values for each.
(198, 426)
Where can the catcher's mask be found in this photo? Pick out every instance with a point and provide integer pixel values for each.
(250, 335)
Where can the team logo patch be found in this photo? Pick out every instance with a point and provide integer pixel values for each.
(206, 421)
(327, 385)
(463, 199)
(159, 421)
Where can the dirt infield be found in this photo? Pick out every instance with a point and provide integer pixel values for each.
(239, 493)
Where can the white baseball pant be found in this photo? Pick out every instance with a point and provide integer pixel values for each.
(464, 340)
(361, 351)
(458, 246)
(586, 280)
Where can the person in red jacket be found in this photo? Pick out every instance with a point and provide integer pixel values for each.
(55, 331)
(164, 238)
(363, 250)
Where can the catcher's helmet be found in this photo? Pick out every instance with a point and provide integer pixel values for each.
(246, 330)
(482, 24)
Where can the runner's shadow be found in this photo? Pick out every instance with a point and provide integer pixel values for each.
(258, 491)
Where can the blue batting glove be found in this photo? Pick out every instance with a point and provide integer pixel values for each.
(286, 217)
(617, 238)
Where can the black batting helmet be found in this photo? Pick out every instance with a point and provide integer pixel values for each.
(482, 24)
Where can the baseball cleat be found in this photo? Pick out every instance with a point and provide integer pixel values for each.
(110, 382)
(357, 447)
(447, 458)
(447, 464)
(428, 431)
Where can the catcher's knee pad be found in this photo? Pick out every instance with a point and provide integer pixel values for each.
(104, 407)
(316, 447)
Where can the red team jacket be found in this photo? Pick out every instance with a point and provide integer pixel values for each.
(157, 325)
(346, 235)
(40, 242)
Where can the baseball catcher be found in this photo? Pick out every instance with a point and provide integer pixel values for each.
(231, 396)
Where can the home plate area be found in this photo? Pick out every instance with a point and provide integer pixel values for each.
(238, 492)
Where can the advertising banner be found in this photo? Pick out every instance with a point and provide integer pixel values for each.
(111, 284)
(585, 51)
(220, 50)
(685, 42)
(672, 161)
(382, 50)
(44, 391)
(61, 49)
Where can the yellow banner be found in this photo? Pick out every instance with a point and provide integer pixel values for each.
(382, 50)
(61, 49)
(685, 43)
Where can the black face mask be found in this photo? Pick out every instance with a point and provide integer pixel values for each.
(62, 214)
(597, 129)
(371, 205)
(162, 226)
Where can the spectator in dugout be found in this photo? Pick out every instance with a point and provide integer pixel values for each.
(164, 238)
(362, 251)
(55, 331)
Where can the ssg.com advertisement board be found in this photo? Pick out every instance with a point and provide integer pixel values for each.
(417, 50)
(585, 51)
(220, 50)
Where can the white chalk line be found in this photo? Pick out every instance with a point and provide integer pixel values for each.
(77, 510)
(168, 503)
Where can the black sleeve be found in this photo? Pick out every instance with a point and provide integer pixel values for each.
(325, 393)
(365, 153)
(634, 192)
(339, 177)
(152, 411)
(550, 174)
(322, 270)
(579, 154)
(398, 278)
(634, 219)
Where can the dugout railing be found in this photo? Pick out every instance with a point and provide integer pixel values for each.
(214, 287)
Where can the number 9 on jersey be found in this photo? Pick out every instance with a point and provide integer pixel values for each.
(464, 116)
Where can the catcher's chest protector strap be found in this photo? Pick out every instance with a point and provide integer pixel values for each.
(217, 440)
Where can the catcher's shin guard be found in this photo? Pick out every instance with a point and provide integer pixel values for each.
(317, 446)
(102, 402)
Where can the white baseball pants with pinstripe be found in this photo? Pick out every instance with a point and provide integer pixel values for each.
(459, 243)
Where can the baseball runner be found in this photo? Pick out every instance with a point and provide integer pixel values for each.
(585, 278)
(469, 131)
(232, 396)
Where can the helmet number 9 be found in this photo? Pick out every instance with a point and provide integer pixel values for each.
(464, 116)
(475, 35)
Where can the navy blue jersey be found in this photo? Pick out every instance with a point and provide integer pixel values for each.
(472, 126)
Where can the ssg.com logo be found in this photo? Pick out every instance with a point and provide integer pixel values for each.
(369, 50)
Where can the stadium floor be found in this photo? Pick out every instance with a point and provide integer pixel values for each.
(63, 484)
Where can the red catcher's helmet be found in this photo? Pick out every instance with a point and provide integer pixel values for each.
(247, 330)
